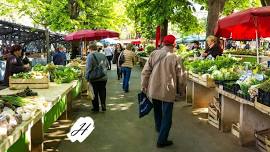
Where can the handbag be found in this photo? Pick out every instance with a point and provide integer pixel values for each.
(145, 105)
(121, 59)
(97, 72)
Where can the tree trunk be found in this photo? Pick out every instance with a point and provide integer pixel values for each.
(215, 7)
(164, 29)
(74, 9)
(265, 2)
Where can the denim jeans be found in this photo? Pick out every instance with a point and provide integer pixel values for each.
(163, 119)
(127, 72)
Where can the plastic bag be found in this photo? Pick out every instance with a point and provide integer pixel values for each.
(90, 92)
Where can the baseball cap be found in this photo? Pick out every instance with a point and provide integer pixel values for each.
(169, 39)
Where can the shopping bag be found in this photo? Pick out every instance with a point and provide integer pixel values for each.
(145, 105)
(90, 92)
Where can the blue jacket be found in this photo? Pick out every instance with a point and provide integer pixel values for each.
(58, 58)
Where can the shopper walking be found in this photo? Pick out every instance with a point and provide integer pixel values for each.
(109, 54)
(163, 77)
(129, 61)
(118, 50)
(96, 74)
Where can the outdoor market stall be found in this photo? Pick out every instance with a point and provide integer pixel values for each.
(246, 25)
(242, 100)
(236, 110)
(250, 24)
(57, 99)
(38, 112)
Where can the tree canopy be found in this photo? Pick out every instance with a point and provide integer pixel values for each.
(148, 14)
(69, 15)
(141, 17)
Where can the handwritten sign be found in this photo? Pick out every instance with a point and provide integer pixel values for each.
(82, 128)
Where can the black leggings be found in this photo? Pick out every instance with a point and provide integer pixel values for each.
(100, 93)
(109, 58)
(119, 72)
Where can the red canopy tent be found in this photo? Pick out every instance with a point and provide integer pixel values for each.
(136, 42)
(250, 24)
(90, 35)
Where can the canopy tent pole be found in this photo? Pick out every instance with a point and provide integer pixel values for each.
(257, 46)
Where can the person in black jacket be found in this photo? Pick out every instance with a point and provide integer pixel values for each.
(213, 49)
(14, 63)
(117, 52)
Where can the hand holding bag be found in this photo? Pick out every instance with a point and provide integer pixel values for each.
(145, 105)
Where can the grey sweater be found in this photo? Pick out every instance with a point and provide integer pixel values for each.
(91, 63)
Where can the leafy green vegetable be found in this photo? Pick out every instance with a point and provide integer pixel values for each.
(265, 86)
(225, 75)
(16, 100)
(247, 83)
(39, 67)
(65, 74)
(149, 49)
(22, 75)
(142, 54)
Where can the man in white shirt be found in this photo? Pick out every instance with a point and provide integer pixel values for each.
(109, 54)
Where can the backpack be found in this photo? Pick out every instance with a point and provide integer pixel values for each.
(121, 59)
(97, 72)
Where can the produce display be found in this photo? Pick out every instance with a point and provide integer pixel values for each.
(240, 78)
(14, 109)
(207, 66)
(60, 74)
(251, 52)
(30, 75)
(241, 52)
(184, 53)
(142, 54)
(17, 110)
(64, 74)
(26, 92)
(225, 74)
(149, 49)
(78, 61)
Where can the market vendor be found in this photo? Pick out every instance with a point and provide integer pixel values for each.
(14, 63)
(196, 48)
(213, 49)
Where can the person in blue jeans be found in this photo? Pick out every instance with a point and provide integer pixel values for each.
(162, 78)
(128, 64)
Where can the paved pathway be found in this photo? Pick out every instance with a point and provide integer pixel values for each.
(120, 129)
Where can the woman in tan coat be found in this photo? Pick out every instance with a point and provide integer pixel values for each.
(126, 67)
(163, 77)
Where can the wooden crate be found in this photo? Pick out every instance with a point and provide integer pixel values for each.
(213, 117)
(261, 107)
(205, 81)
(263, 140)
(214, 113)
(17, 84)
(235, 129)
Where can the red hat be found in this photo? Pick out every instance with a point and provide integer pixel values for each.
(169, 39)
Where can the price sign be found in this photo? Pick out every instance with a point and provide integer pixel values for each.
(82, 128)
